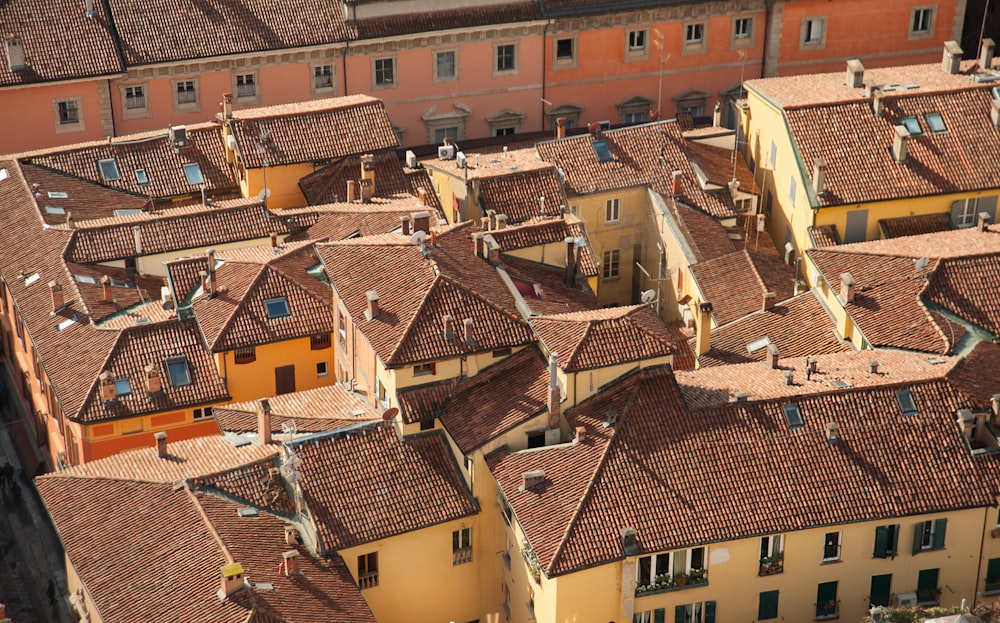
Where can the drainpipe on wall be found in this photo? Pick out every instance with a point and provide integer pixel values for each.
(545, 57)
(343, 66)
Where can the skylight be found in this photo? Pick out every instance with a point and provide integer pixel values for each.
(912, 125)
(109, 170)
(123, 387)
(277, 308)
(192, 171)
(906, 402)
(32, 278)
(141, 178)
(177, 368)
(602, 150)
(65, 324)
(792, 415)
(58, 195)
(54, 210)
(85, 279)
(756, 345)
(127, 212)
(3, 174)
(935, 122)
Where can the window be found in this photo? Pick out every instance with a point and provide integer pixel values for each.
(427, 424)
(385, 72)
(880, 593)
(565, 51)
(964, 212)
(928, 587)
(504, 131)
(322, 371)
(612, 211)
(423, 369)
(204, 413)
(109, 170)
(245, 355)
(69, 112)
(192, 171)
(636, 40)
(135, 97)
(609, 269)
(445, 67)
(793, 415)
(827, 605)
(246, 86)
(661, 571)
(602, 150)
(277, 308)
(177, 369)
(505, 352)
(906, 403)
(929, 535)
(368, 570)
(912, 125)
(921, 22)
(935, 122)
(742, 29)
(767, 606)
(694, 613)
(186, 92)
(886, 541)
(634, 117)
(772, 555)
(451, 132)
(831, 547)
(536, 439)
(141, 177)
(506, 58)
(813, 32)
(319, 342)
(461, 546)
(322, 77)
(694, 33)
(506, 122)
(123, 387)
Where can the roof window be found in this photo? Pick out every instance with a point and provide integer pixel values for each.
(906, 402)
(912, 125)
(123, 387)
(277, 308)
(192, 171)
(85, 279)
(141, 177)
(3, 174)
(180, 373)
(109, 169)
(54, 210)
(127, 212)
(935, 121)
(32, 278)
(58, 195)
(793, 415)
(602, 150)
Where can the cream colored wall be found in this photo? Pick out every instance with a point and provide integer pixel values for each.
(990, 550)
(578, 386)
(828, 294)
(155, 265)
(75, 585)
(284, 184)
(623, 235)
(453, 192)
(552, 254)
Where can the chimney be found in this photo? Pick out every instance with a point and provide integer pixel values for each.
(15, 54)
(555, 395)
(501, 221)
(352, 191)
(819, 176)
(210, 258)
(995, 405)
(741, 396)
(581, 433)
(717, 115)
(769, 300)
(274, 240)
(290, 561)
(71, 224)
(161, 444)
(873, 367)
(372, 311)
(966, 421)
(899, 140)
(570, 276)
(675, 186)
(264, 421)
(204, 280)
(847, 288)
(493, 219)
(952, 57)
(448, 327)
(469, 331)
(789, 377)
(983, 222)
(422, 196)
(532, 479)
(485, 223)
(703, 340)
(422, 221)
(541, 206)
(494, 254)
(106, 289)
(232, 580)
(877, 104)
(291, 535)
(404, 225)
(57, 296)
(367, 190)
(772, 356)
(368, 170)
(994, 117)
(108, 393)
(811, 364)
(986, 54)
(154, 382)
(855, 74)
(227, 105)
(137, 237)
(561, 127)
(831, 433)
(477, 244)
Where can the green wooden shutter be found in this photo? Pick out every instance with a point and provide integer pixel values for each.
(993, 571)
(709, 612)
(767, 608)
(881, 542)
(918, 532)
(659, 615)
(679, 614)
(939, 529)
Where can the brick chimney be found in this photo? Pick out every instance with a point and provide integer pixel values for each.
(703, 340)
(570, 276)
(831, 433)
(493, 219)
(983, 221)
(108, 393)
(422, 196)
(70, 223)
(952, 58)
(352, 191)
(404, 225)
(873, 366)
(986, 54)
(501, 221)
(372, 311)
(291, 535)
(769, 298)
(555, 394)
(274, 240)
(855, 74)
(675, 186)
(368, 171)
(819, 176)
(477, 245)
(106, 295)
(227, 105)
(772, 356)
(469, 331)
(290, 561)
(581, 433)
(264, 421)
(789, 377)
(422, 221)
(367, 189)
(57, 296)
(561, 127)
(232, 580)
(161, 444)
(448, 327)
(210, 259)
(899, 141)
(847, 288)
(154, 382)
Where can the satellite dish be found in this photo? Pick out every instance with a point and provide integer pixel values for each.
(264, 193)
(648, 296)
(921, 263)
(390, 413)
(418, 237)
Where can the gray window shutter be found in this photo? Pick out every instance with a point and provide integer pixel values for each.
(939, 528)
(918, 532)
(659, 615)
(988, 205)
(709, 612)
(956, 212)
(881, 542)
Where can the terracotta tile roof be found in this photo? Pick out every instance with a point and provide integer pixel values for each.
(84, 47)
(313, 410)
(636, 161)
(541, 231)
(604, 337)
(455, 18)
(799, 327)
(339, 221)
(496, 400)
(423, 403)
(947, 244)
(713, 386)
(518, 194)
(969, 288)
(705, 236)
(258, 484)
(236, 317)
(824, 236)
(421, 178)
(739, 486)
(683, 357)
(860, 165)
(914, 225)
(152, 152)
(173, 230)
(147, 344)
(717, 163)
(126, 293)
(976, 374)
(416, 293)
(495, 160)
(189, 458)
(313, 131)
(544, 290)
(354, 492)
(86, 199)
(184, 276)
(329, 184)
(173, 30)
(144, 313)
(735, 283)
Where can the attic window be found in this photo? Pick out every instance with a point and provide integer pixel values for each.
(54, 210)
(85, 279)
(123, 387)
(277, 308)
(65, 324)
(109, 170)
(58, 195)
(912, 125)
(906, 403)
(177, 368)
(127, 212)
(141, 177)
(192, 171)
(793, 415)
(602, 150)
(935, 122)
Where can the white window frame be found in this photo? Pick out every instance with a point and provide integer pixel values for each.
(840, 544)
(969, 214)
(672, 562)
(743, 35)
(699, 43)
(242, 76)
(436, 65)
(324, 69)
(322, 369)
(775, 544)
(203, 413)
(69, 126)
(565, 62)
(809, 26)
(611, 266)
(929, 13)
(496, 58)
(612, 210)
(636, 53)
(376, 71)
(128, 94)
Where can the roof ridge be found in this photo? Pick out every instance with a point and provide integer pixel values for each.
(927, 312)
(412, 322)
(208, 524)
(753, 267)
(227, 325)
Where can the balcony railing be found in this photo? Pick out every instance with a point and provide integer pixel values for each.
(368, 580)
(246, 90)
(771, 566)
(828, 610)
(992, 588)
(461, 556)
(930, 597)
(666, 582)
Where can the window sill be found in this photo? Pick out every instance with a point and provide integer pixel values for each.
(830, 561)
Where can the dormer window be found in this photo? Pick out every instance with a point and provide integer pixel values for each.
(277, 308)
(109, 170)
(192, 171)
(123, 387)
(180, 373)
